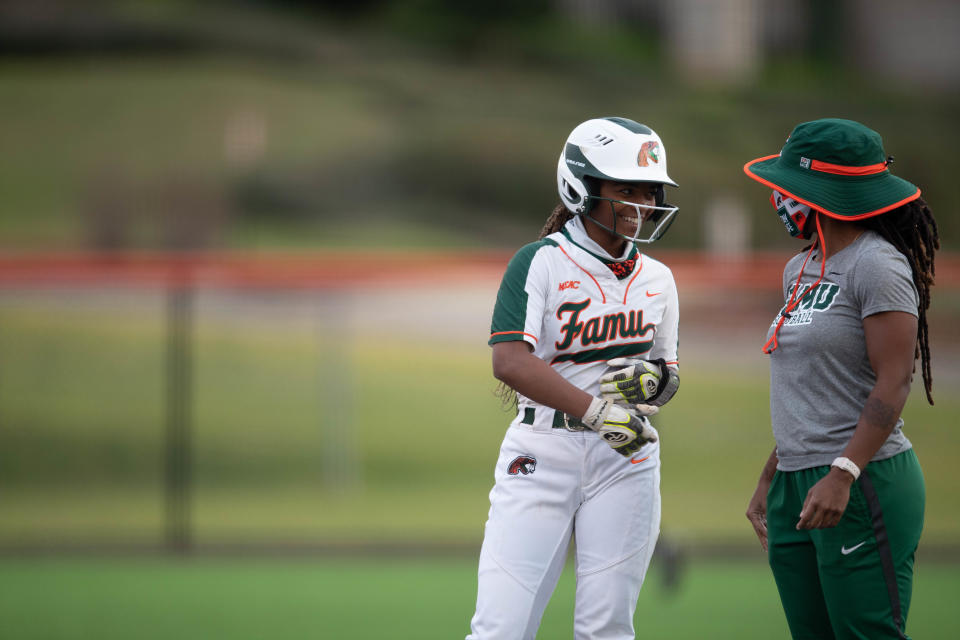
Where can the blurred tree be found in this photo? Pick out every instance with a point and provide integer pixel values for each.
(343, 8)
(465, 26)
(826, 42)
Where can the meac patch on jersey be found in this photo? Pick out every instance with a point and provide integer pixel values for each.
(577, 314)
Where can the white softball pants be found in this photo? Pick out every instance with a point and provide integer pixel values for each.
(579, 488)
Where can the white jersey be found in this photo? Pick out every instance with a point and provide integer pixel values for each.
(577, 308)
(565, 301)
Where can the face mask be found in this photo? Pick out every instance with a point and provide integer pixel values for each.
(793, 214)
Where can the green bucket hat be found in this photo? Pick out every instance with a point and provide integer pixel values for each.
(835, 166)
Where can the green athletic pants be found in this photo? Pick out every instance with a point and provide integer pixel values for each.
(854, 580)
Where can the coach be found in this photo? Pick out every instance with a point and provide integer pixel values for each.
(839, 505)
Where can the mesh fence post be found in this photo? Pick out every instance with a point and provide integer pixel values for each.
(340, 463)
(179, 411)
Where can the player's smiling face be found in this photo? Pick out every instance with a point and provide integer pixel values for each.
(617, 212)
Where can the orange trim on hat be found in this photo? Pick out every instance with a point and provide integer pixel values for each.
(818, 207)
(841, 170)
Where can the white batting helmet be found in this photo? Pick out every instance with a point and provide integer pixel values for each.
(616, 149)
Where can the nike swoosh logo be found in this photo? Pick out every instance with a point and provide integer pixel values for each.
(635, 461)
(650, 295)
(846, 551)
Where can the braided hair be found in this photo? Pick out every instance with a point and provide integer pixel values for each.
(912, 229)
(558, 217)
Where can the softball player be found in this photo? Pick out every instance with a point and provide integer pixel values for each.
(584, 332)
(840, 502)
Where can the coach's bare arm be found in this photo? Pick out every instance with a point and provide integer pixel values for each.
(891, 339)
(757, 509)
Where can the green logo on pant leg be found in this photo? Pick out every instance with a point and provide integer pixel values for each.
(819, 298)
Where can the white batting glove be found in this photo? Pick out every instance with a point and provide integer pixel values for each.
(624, 431)
(639, 382)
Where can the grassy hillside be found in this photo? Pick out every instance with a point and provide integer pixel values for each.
(372, 140)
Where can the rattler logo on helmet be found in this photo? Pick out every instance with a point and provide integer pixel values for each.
(522, 465)
(648, 151)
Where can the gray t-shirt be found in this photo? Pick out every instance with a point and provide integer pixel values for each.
(820, 375)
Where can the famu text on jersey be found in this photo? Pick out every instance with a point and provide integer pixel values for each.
(600, 329)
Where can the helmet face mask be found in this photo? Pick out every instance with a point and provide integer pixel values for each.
(661, 215)
(618, 150)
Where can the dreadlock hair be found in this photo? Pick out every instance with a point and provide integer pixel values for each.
(558, 217)
(912, 229)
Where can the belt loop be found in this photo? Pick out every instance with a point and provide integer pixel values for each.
(560, 420)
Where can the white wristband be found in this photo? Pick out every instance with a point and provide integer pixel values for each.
(847, 465)
(596, 413)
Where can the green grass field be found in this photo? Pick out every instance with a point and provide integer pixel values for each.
(81, 416)
(81, 409)
(415, 598)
